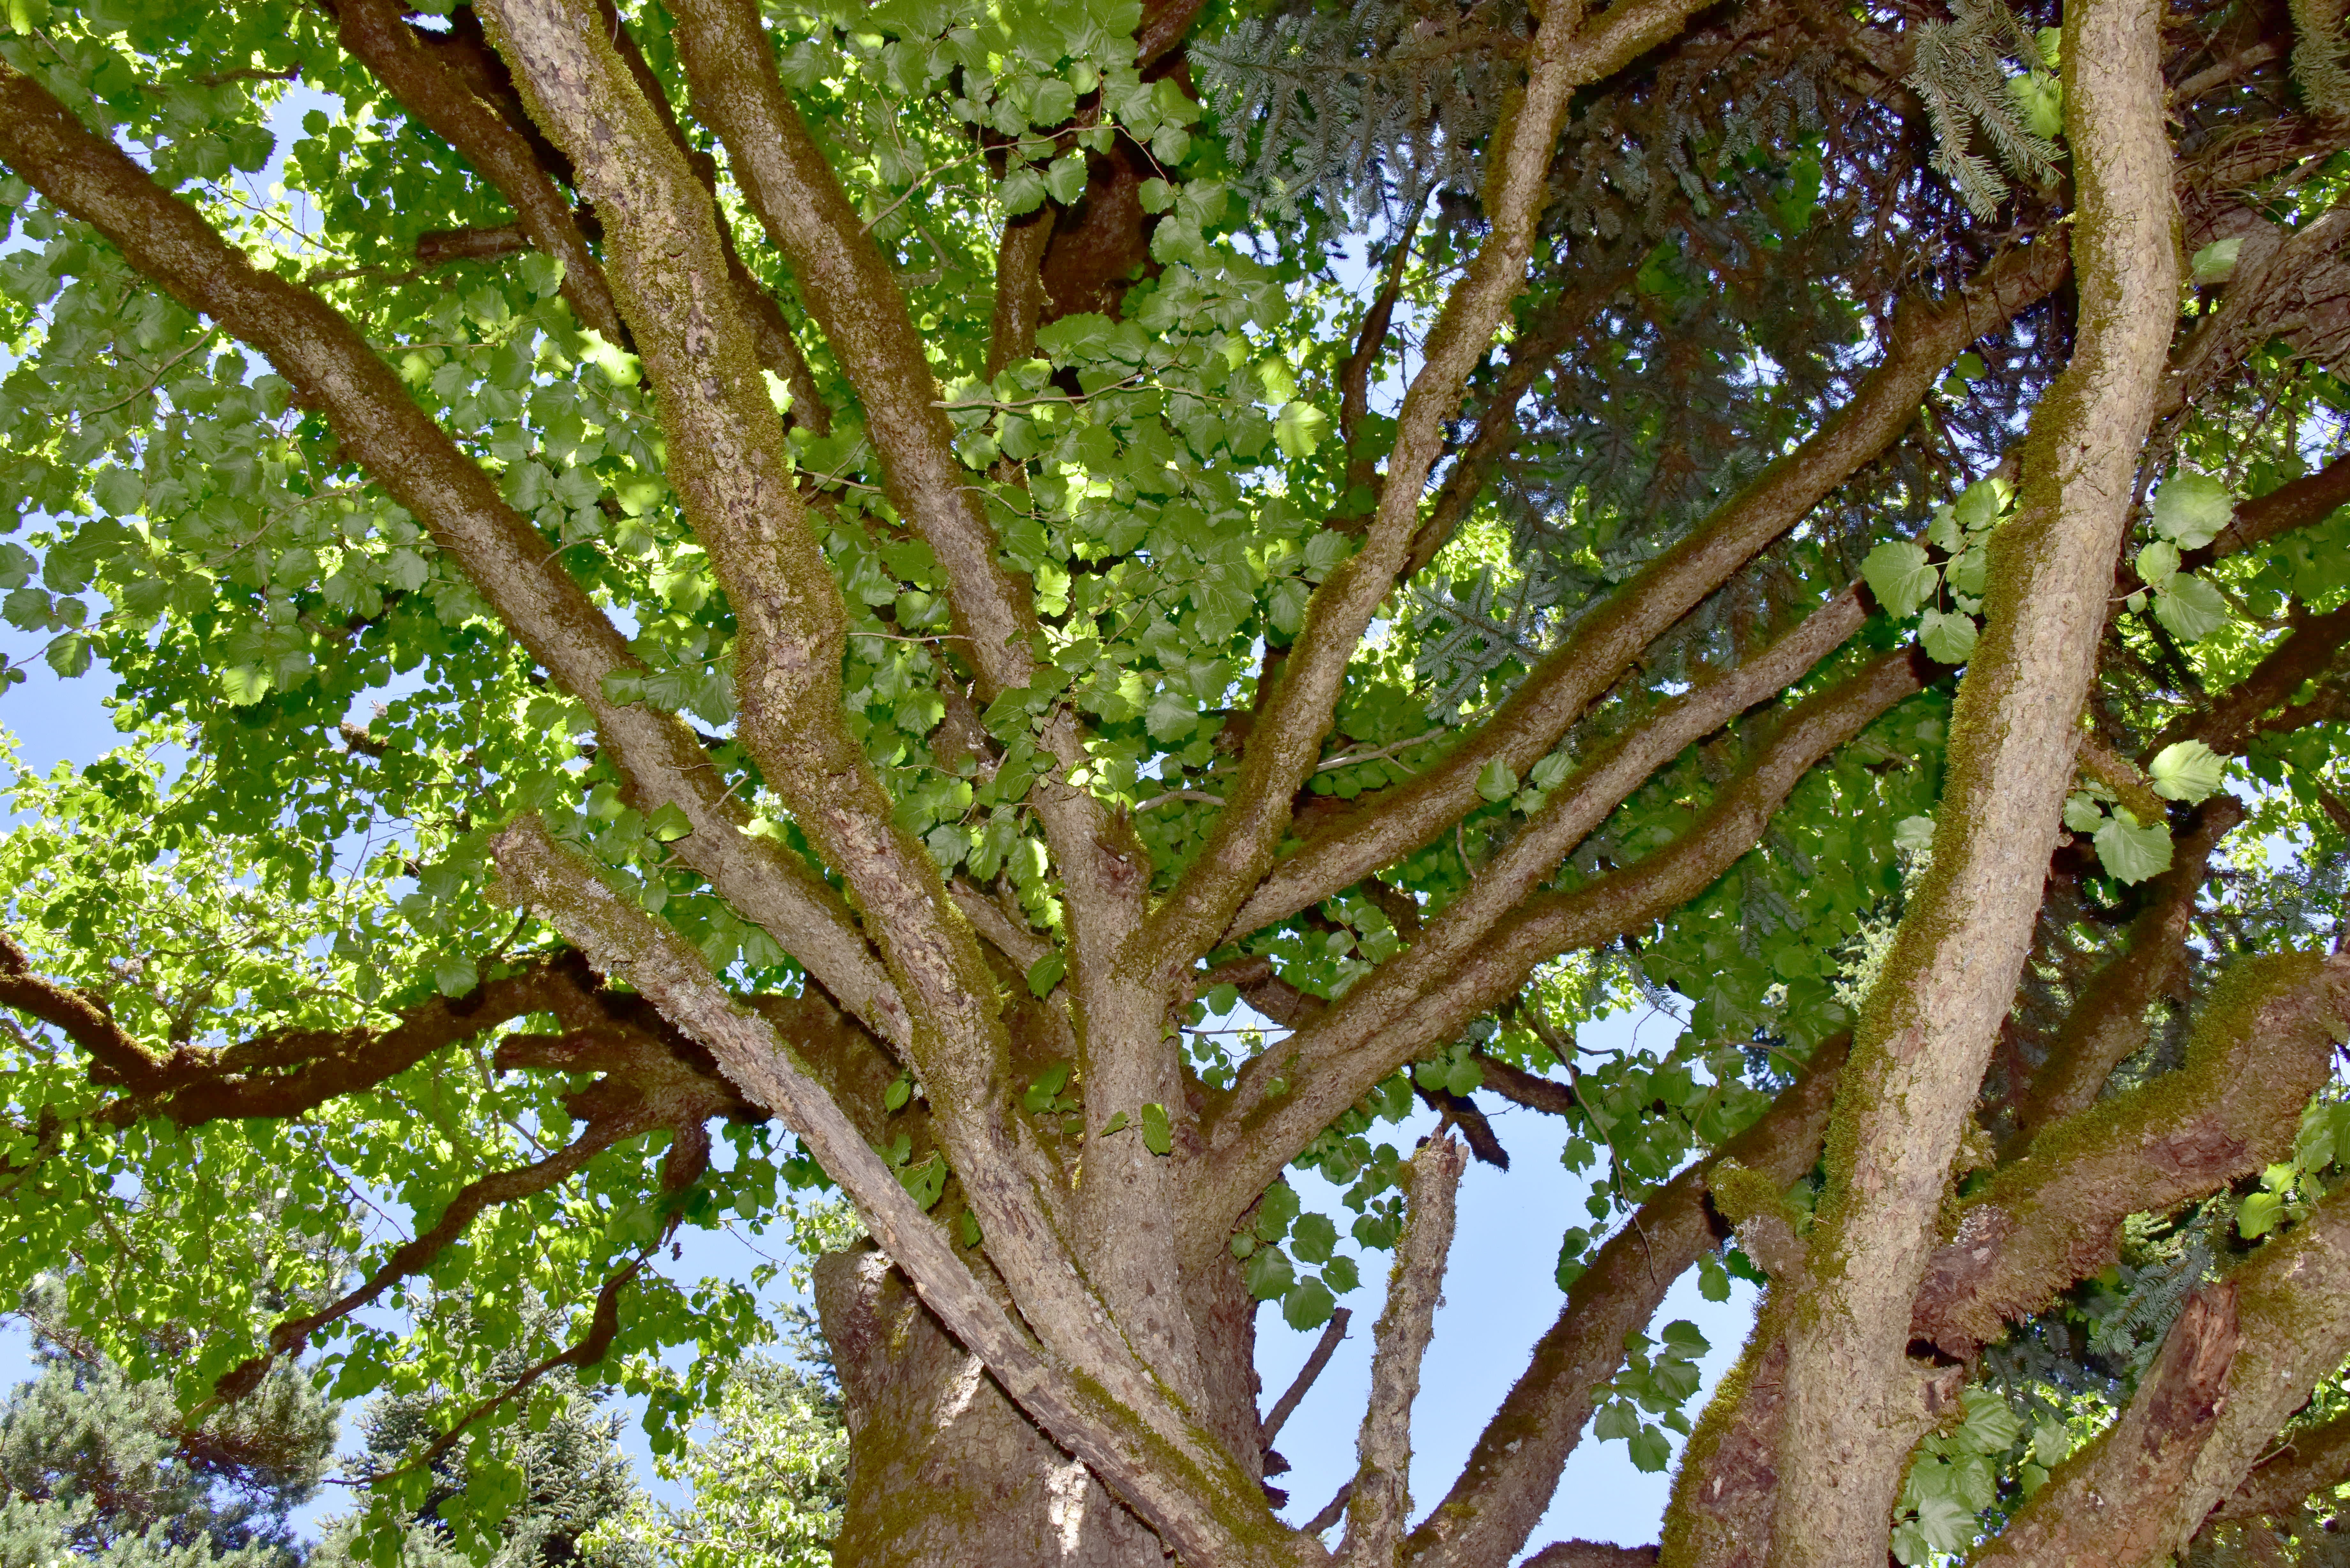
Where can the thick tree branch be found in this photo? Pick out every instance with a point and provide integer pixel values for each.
(855, 296)
(1415, 998)
(2262, 1046)
(382, 428)
(377, 35)
(2107, 1021)
(2232, 717)
(2131, 1498)
(1591, 1554)
(1566, 53)
(1507, 1485)
(1382, 1505)
(2311, 499)
(2312, 1459)
(1924, 339)
(733, 477)
(2101, 1512)
(1114, 1417)
(1951, 974)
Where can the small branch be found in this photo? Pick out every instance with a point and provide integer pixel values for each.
(1333, 1511)
(1172, 796)
(1381, 1506)
(1324, 1349)
(1459, 1111)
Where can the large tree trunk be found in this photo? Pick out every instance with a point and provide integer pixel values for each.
(945, 1469)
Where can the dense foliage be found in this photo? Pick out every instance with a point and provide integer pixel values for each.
(1042, 613)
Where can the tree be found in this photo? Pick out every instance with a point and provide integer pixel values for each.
(913, 614)
(97, 1466)
(767, 1488)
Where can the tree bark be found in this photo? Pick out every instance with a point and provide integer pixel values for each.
(1853, 1398)
(942, 1467)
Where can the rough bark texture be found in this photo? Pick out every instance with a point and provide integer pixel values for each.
(1852, 1396)
(942, 1467)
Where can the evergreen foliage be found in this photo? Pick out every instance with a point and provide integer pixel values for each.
(99, 1467)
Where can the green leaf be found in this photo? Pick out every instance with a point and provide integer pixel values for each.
(1651, 1450)
(2216, 263)
(1119, 1122)
(1900, 575)
(2083, 814)
(2131, 853)
(1341, 1276)
(2259, 1215)
(1947, 639)
(243, 685)
(1268, 1274)
(1158, 1135)
(1021, 190)
(1616, 1418)
(2186, 770)
(2157, 562)
(900, 1091)
(2191, 608)
(1712, 1279)
(1495, 782)
(1307, 1305)
(1065, 178)
(668, 823)
(1170, 716)
(1914, 833)
(1314, 1238)
(1979, 503)
(1682, 1339)
(455, 975)
(967, 1228)
(2192, 508)
(620, 367)
(1946, 1523)
(1299, 429)
(69, 655)
(1045, 974)
(2039, 98)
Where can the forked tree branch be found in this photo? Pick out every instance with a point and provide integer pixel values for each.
(376, 34)
(1568, 52)
(727, 464)
(1380, 1506)
(381, 428)
(1951, 973)
(854, 294)
(1113, 1416)
(2108, 1503)
(1378, 1027)
(1388, 824)
(2143, 1488)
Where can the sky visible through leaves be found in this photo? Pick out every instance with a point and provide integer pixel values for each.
(1499, 1295)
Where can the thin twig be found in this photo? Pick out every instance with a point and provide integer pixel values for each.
(1324, 1349)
